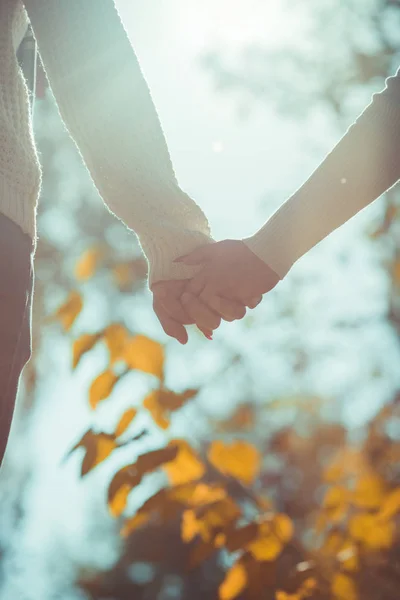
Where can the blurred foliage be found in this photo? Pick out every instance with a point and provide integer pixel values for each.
(260, 505)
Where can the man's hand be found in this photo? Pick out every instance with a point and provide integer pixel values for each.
(231, 272)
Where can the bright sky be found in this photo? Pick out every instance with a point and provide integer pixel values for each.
(227, 166)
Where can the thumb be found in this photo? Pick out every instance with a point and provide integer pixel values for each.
(200, 255)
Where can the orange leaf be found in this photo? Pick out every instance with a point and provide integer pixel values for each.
(160, 403)
(234, 582)
(390, 506)
(125, 421)
(116, 337)
(69, 311)
(207, 521)
(186, 467)
(239, 459)
(83, 345)
(343, 588)
(348, 556)
(98, 447)
(134, 523)
(119, 500)
(88, 263)
(102, 387)
(369, 492)
(372, 532)
(143, 354)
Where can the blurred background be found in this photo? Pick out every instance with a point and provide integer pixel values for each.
(251, 95)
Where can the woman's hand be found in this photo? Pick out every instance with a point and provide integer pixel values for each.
(173, 317)
(232, 272)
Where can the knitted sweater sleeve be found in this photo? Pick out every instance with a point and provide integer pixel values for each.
(362, 166)
(105, 103)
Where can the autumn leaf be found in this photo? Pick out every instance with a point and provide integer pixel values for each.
(186, 467)
(116, 337)
(234, 582)
(88, 263)
(343, 588)
(242, 419)
(143, 354)
(134, 523)
(98, 447)
(131, 475)
(83, 345)
(125, 421)
(207, 521)
(102, 387)
(272, 536)
(68, 312)
(125, 274)
(335, 503)
(238, 459)
(304, 591)
(375, 534)
(160, 403)
(197, 494)
(369, 492)
(390, 505)
(348, 556)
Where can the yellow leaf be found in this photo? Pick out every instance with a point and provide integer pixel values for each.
(348, 556)
(282, 527)
(335, 503)
(343, 588)
(87, 264)
(266, 548)
(239, 459)
(152, 404)
(82, 345)
(332, 543)
(186, 467)
(390, 506)
(118, 502)
(208, 520)
(102, 387)
(334, 497)
(125, 421)
(116, 337)
(372, 532)
(98, 446)
(124, 275)
(197, 494)
(234, 582)
(190, 525)
(134, 523)
(68, 312)
(369, 492)
(143, 354)
(272, 536)
(160, 403)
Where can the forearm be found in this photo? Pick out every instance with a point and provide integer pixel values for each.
(362, 166)
(107, 108)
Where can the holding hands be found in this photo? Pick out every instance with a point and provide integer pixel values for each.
(232, 279)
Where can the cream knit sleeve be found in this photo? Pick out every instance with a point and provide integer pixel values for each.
(106, 105)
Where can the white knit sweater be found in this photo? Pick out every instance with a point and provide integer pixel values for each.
(107, 108)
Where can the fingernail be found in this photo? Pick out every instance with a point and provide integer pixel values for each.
(208, 336)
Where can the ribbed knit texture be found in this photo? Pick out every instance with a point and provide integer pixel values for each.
(107, 108)
(364, 164)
